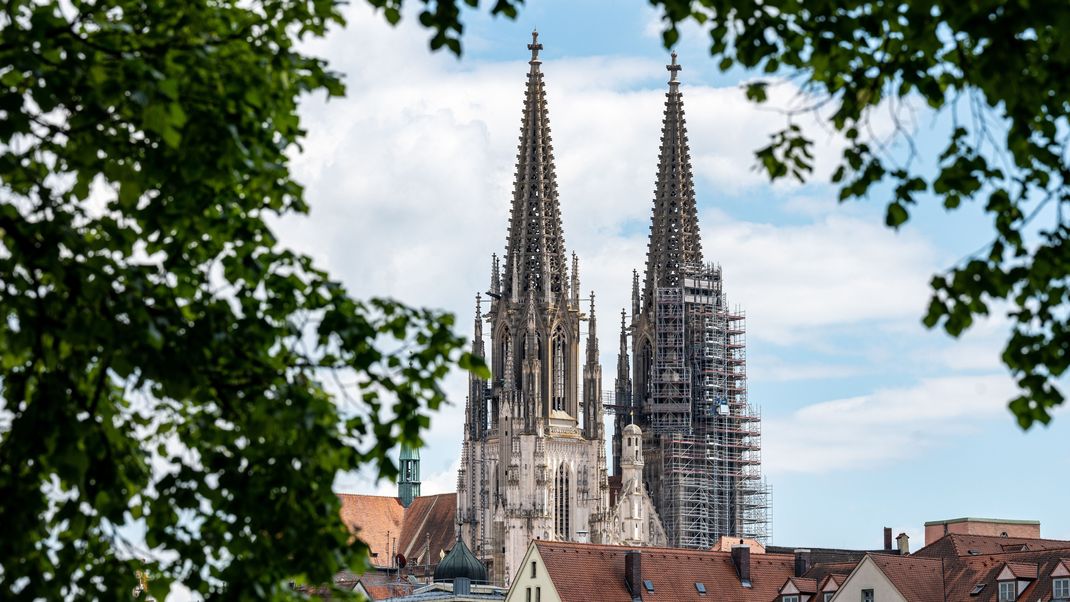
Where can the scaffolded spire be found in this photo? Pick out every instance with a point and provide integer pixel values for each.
(536, 247)
(675, 244)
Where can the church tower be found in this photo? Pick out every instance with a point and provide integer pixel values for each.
(688, 393)
(533, 457)
(408, 475)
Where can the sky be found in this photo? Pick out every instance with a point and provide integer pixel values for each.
(869, 419)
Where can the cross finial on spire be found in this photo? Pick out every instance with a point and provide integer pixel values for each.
(673, 68)
(534, 46)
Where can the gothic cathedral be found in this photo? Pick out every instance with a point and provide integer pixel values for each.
(533, 462)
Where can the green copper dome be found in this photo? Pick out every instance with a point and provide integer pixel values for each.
(461, 562)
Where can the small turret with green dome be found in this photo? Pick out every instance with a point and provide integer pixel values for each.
(461, 563)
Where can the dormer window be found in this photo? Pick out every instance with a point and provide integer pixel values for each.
(791, 598)
(1008, 591)
(1060, 588)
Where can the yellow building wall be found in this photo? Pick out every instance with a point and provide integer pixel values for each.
(540, 588)
(867, 576)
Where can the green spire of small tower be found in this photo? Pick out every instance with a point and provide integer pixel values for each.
(409, 475)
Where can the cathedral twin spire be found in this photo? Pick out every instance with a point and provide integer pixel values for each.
(675, 245)
(535, 260)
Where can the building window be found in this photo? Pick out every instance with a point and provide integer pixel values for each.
(791, 598)
(1060, 588)
(528, 595)
(1008, 591)
(867, 595)
(532, 569)
(562, 507)
(538, 594)
(558, 350)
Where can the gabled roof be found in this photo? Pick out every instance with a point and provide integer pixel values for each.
(388, 527)
(1021, 570)
(803, 585)
(429, 523)
(954, 544)
(839, 569)
(831, 583)
(596, 572)
(964, 573)
(917, 579)
(376, 520)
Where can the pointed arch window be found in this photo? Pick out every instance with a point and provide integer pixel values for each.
(559, 351)
(562, 506)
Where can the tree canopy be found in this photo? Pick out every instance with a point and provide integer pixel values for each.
(165, 363)
(1000, 71)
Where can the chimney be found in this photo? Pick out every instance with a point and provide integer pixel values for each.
(803, 561)
(887, 538)
(633, 574)
(741, 558)
(903, 541)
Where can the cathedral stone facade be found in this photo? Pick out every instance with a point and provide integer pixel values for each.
(533, 463)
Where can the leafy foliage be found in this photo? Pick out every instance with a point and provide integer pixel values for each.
(162, 358)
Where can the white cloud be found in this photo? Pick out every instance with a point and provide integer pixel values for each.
(884, 426)
(410, 176)
(795, 279)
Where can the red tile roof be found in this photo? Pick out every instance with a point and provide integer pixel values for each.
(955, 544)
(583, 572)
(429, 523)
(1023, 570)
(387, 527)
(376, 520)
(966, 572)
(917, 579)
(384, 585)
(804, 585)
(818, 572)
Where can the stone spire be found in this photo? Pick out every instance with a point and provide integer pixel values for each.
(575, 280)
(636, 308)
(593, 427)
(624, 370)
(476, 406)
(592, 336)
(675, 244)
(536, 247)
(495, 276)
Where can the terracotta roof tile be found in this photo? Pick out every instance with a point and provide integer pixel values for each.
(954, 544)
(917, 579)
(818, 572)
(429, 522)
(962, 574)
(1023, 570)
(375, 519)
(596, 572)
(804, 585)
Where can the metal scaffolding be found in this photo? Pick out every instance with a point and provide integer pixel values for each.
(703, 436)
